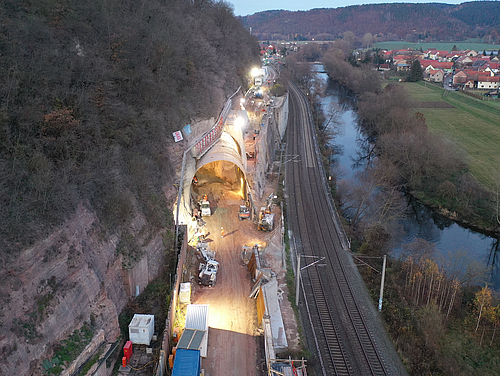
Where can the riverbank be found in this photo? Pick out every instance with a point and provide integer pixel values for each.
(491, 231)
(414, 158)
(431, 337)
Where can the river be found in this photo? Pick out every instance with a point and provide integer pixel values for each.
(455, 248)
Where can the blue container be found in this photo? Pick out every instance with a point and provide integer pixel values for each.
(187, 363)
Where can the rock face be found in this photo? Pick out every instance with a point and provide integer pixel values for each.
(75, 276)
(71, 277)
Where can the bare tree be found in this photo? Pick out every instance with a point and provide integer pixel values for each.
(367, 40)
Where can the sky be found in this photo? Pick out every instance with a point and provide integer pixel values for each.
(246, 7)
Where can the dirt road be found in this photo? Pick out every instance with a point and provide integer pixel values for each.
(232, 346)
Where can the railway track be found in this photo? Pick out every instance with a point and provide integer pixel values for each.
(339, 329)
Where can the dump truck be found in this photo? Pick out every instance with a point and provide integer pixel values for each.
(208, 273)
(266, 219)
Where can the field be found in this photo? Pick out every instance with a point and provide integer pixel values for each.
(478, 47)
(474, 125)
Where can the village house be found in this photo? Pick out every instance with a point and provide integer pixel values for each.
(469, 84)
(470, 53)
(401, 65)
(436, 75)
(427, 65)
(488, 82)
(493, 68)
(477, 72)
(465, 60)
(459, 78)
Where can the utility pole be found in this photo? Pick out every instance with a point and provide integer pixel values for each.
(299, 269)
(382, 284)
(298, 281)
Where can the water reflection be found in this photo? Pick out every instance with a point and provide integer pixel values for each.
(461, 251)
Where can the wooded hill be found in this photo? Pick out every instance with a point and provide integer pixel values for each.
(411, 22)
(91, 93)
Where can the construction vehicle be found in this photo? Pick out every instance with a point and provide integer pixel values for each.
(266, 219)
(208, 273)
(198, 236)
(244, 212)
(205, 251)
(205, 207)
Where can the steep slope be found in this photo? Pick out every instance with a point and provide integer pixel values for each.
(91, 93)
(399, 20)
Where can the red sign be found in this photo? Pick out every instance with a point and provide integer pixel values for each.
(177, 136)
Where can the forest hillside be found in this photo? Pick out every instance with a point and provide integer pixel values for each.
(397, 21)
(91, 93)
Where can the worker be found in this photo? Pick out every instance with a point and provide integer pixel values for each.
(222, 232)
(195, 181)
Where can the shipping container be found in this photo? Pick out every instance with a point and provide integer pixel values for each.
(197, 318)
(187, 363)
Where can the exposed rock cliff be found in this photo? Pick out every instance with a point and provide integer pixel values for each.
(71, 277)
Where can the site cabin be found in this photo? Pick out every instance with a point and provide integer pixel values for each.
(197, 320)
(187, 363)
(141, 329)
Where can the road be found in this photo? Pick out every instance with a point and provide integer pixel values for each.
(343, 329)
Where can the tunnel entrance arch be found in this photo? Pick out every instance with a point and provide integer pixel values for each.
(221, 169)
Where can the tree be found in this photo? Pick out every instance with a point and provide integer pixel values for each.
(493, 316)
(454, 48)
(431, 323)
(482, 303)
(350, 38)
(278, 90)
(367, 40)
(374, 196)
(415, 71)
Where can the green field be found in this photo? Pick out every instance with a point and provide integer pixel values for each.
(472, 124)
(478, 47)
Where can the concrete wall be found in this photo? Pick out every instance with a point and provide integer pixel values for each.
(273, 128)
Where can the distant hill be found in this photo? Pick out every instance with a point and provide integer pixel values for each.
(411, 22)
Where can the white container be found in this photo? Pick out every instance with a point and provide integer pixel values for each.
(197, 318)
(141, 329)
(185, 293)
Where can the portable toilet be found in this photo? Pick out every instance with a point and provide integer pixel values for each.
(185, 293)
(141, 329)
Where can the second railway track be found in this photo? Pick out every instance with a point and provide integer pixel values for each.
(344, 342)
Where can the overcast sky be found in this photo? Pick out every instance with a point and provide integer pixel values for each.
(246, 7)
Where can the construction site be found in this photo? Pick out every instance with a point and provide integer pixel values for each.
(229, 312)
